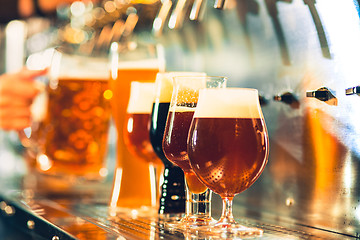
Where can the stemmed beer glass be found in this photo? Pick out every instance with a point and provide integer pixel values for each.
(172, 199)
(182, 106)
(228, 148)
(136, 132)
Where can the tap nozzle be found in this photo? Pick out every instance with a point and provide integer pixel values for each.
(219, 4)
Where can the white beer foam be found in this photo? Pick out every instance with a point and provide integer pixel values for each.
(82, 68)
(182, 109)
(228, 103)
(141, 97)
(164, 84)
(140, 64)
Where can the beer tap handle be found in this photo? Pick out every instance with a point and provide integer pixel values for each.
(244, 7)
(288, 98)
(319, 28)
(219, 4)
(273, 12)
(263, 100)
(196, 10)
(177, 16)
(323, 94)
(353, 90)
(159, 21)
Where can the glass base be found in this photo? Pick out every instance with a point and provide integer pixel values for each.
(227, 230)
(144, 211)
(191, 222)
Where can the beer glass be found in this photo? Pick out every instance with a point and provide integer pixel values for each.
(71, 120)
(130, 61)
(228, 148)
(172, 198)
(182, 106)
(136, 132)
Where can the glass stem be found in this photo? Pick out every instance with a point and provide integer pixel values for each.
(198, 206)
(227, 215)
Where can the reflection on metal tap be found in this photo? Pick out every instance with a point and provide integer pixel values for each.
(159, 21)
(353, 90)
(243, 8)
(219, 4)
(263, 101)
(319, 28)
(197, 10)
(177, 16)
(288, 98)
(273, 12)
(323, 94)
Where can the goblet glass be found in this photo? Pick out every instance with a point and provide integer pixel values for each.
(228, 148)
(181, 111)
(136, 132)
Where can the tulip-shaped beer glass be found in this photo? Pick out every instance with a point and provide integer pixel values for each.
(181, 111)
(228, 148)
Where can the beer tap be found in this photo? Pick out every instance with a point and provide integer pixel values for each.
(243, 8)
(197, 10)
(323, 94)
(319, 28)
(288, 98)
(273, 12)
(263, 100)
(219, 4)
(176, 19)
(353, 91)
(159, 21)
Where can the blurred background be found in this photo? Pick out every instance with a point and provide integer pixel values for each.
(302, 55)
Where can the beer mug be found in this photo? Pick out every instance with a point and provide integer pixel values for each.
(71, 118)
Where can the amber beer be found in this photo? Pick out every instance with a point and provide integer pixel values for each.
(132, 180)
(137, 124)
(228, 145)
(73, 135)
(175, 147)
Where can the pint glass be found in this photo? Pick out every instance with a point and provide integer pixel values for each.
(133, 62)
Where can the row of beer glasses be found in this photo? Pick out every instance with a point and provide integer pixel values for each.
(214, 135)
(226, 140)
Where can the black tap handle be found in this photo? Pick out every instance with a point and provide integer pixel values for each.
(353, 90)
(288, 98)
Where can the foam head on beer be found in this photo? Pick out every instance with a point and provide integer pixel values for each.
(141, 97)
(228, 103)
(72, 66)
(165, 82)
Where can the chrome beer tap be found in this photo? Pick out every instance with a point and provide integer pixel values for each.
(162, 16)
(219, 4)
(323, 94)
(319, 28)
(288, 98)
(197, 10)
(273, 12)
(177, 16)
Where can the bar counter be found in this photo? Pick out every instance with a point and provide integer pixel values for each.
(89, 217)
